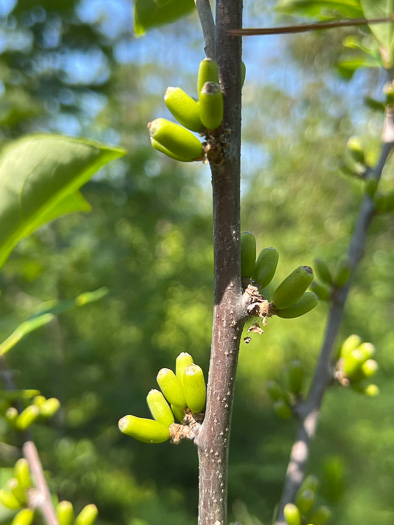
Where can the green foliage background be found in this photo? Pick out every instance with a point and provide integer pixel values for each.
(149, 240)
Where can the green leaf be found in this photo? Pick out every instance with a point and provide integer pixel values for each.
(46, 312)
(147, 14)
(384, 33)
(39, 178)
(321, 8)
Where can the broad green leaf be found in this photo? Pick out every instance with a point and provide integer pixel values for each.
(353, 42)
(384, 33)
(147, 14)
(321, 9)
(70, 204)
(39, 178)
(46, 312)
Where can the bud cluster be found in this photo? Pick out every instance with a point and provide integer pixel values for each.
(304, 509)
(37, 408)
(355, 365)
(290, 298)
(182, 391)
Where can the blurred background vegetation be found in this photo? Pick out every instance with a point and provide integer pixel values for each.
(74, 67)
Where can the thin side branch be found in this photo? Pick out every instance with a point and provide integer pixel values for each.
(309, 411)
(303, 28)
(207, 25)
(40, 497)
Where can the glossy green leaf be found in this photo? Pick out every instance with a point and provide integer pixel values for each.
(384, 33)
(147, 14)
(39, 178)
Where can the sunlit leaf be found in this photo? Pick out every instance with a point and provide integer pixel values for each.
(39, 177)
(147, 14)
(348, 66)
(383, 32)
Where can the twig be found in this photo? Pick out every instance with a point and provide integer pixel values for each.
(303, 28)
(208, 26)
(41, 497)
(309, 411)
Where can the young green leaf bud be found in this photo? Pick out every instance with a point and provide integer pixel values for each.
(371, 390)
(65, 513)
(356, 150)
(182, 361)
(369, 368)
(24, 517)
(15, 487)
(145, 430)
(343, 273)
(176, 139)
(39, 400)
(292, 514)
(322, 292)
(185, 109)
(49, 407)
(305, 500)
(178, 412)
(159, 147)
(194, 388)
(275, 391)
(304, 305)
(352, 365)
(11, 415)
(171, 387)
(265, 267)
(367, 349)
(87, 516)
(27, 417)
(323, 272)
(351, 343)
(292, 288)
(321, 515)
(248, 254)
(347, 169)
(311, 482)
(207, 72)
(370, 186)
(282, 409)
(9, 500)
(294, 377)
(159, 408)
(22, 473)
(211, 105)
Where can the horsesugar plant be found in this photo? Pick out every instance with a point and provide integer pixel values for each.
(191, 403)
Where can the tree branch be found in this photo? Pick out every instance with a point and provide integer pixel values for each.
(208, 26)
(229, 310)
(309, 411)
(303, 28)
